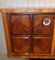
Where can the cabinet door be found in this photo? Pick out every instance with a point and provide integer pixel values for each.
(43, 33)
(19, 23)
(43, 24)
(20, 28)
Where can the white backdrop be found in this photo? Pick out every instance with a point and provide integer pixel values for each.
(27, 4)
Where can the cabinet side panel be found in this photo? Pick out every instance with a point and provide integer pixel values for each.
(7, 35)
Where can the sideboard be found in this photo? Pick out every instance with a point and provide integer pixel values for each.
(30, 33)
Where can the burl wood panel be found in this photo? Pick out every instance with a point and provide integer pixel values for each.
(39, 27)
(20, 24)
(21, 44)
(42, 45)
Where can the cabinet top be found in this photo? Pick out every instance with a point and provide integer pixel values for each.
(27, 10)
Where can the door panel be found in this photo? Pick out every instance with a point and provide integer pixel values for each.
(39, 25)
(20, 24)
(42, 45)
(21, 44)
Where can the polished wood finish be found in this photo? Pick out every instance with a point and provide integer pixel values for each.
(20, 23)
(39, 28)
(49, 10)
(42, 46)
(21, 45)
(22, 37)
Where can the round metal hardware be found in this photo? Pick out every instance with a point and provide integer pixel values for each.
(46, 21)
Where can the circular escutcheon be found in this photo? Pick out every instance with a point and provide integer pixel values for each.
(46, 22)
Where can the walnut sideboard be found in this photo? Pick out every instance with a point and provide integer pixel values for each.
(30, 33)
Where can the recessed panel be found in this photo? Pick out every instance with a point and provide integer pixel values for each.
(21, 44)
(43, 24)
(20, 24)
(42, 44)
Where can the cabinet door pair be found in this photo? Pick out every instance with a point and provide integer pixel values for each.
(31, 33)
